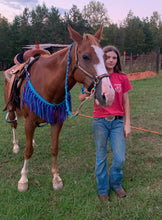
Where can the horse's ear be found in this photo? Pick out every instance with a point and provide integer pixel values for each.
(74, 34)
(98, 34)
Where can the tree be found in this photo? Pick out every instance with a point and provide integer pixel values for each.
(20, 32)
(149, 39)
(39, 17)
(5, 43)
(134, 34)
(76, 20)
(15, 35)
(159, 40)
(25, 27)
(155, 19)
(110, 35)
(54, 27)
(155, 24)
(96, 14)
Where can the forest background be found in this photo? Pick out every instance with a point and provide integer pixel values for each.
(133, 35)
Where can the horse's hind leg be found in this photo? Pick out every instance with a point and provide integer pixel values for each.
(29, 131)
(55, 130)
(15, 139)
(14, 126)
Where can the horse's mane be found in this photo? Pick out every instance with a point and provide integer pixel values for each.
(55, 53)
(91, 39)
(88, 37)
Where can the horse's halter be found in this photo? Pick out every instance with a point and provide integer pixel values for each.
(96, 79)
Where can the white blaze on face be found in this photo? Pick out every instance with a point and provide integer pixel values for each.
(100, 67)
(107, 89)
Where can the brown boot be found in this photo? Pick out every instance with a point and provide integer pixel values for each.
(104, 198)
(121, 193)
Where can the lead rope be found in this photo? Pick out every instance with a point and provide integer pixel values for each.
(66, 83)
(86, 98)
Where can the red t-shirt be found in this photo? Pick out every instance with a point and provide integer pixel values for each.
(121, 84)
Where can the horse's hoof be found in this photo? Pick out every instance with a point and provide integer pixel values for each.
(22, 187)
(16, 149)
(57, 185)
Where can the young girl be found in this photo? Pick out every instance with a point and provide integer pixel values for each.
(109, 124)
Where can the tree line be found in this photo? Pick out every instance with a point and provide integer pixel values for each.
(133, 35)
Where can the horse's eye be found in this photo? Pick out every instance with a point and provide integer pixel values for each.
(85, 57)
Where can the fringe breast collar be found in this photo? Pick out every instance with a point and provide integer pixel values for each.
(42, 108)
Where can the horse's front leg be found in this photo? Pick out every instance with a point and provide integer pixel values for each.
(55, 130)
(15, 141)
(29, 131)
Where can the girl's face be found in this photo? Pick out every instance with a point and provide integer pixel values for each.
(111, 61)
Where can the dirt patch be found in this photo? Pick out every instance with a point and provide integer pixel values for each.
(140, 75)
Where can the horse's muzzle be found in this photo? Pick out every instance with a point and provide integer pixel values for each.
(104, 94)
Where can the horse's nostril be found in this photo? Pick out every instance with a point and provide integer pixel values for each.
(103, 96)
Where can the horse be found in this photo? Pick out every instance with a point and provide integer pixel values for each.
(44, 93)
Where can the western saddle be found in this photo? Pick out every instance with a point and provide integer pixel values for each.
(15, 75)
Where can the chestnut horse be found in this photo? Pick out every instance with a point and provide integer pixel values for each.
(46, 86)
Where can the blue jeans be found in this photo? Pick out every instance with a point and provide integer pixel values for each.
(114, 131)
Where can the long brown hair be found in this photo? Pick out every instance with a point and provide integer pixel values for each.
(109, 48)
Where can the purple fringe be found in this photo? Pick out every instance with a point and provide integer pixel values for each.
(42, 108)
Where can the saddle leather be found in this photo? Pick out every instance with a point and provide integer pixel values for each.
(15, 74)
(10, 75)
(13, 71)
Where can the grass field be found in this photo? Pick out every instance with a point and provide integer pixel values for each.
(78, 199)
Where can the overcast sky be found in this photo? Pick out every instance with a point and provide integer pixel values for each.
(117, 10)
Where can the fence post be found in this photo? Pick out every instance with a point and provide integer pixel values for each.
(157, 59)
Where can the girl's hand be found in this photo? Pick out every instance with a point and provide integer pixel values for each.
(82, 97)
(127, 130)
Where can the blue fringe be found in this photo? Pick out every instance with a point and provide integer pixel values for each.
(42, 108)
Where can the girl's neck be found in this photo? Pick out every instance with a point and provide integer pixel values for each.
(110, 70)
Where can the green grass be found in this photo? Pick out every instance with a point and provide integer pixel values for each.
(78, 199)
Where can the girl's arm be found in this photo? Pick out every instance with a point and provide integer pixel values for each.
(127, 127)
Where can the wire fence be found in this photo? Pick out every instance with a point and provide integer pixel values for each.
(142, 63)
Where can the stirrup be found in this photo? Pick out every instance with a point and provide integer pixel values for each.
(11, 121)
